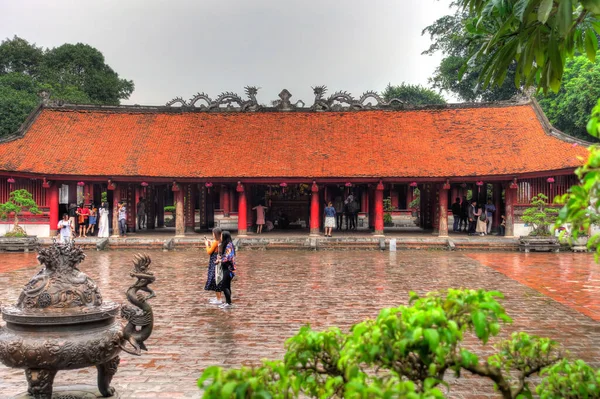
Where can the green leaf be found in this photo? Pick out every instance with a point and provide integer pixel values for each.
(592, 5)
(432, 337)
(544, 10)
(564, 16)
(591, 44)
(479, 321)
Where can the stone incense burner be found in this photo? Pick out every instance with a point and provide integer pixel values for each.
(61, 323)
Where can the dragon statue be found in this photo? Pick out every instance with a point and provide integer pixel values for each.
(139, 316)
(226, 99)
(333, 103)
(338, 101)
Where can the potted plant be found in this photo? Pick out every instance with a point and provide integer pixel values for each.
(415, 203)
(541, 217)
(17, 239)
(387, 216)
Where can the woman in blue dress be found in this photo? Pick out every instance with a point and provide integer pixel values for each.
(227, 260)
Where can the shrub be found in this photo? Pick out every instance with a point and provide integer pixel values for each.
(170, 209)
(387, 208)
(405, 353)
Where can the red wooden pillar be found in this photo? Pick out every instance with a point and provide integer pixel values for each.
(379, 209)
(314, 210)
(232, 200)
(54, 217)
(443, 211)
(242, 210)
(498, 204)
(364, 200)
(394, 197)
(115, 213)
(179, 210)
(190, 208)
(249, 205)
(226, 199)
(159, 191)
(510, 196)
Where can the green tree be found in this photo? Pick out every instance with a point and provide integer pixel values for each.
(83, 67)
(70, 73)
(413, 94)
(18, 55)
(405, 353)
(569, 109)
(452, 38)
(18, 96)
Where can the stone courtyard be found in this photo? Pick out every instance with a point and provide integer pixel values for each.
(279, 291)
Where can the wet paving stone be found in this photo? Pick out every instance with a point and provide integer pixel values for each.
(279, 291)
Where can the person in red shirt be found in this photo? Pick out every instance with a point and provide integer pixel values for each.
(82, 217)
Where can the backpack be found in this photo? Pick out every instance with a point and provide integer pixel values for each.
(483, 216)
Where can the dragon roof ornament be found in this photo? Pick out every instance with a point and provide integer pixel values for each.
(338, 101)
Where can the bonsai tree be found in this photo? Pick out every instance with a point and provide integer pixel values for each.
(416, 202)
(18, 201)
(387, 208)
(540, 216)
(405, 353)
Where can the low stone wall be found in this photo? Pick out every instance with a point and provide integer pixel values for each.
(32, 229)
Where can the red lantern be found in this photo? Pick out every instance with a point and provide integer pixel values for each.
(80, 183)
(208, 185)
(414, 184)
(348, 184)
(144, 184)
(10, 180)
(283, 186)
(175, 187)
(45, 184)
(514, 183)
(550, 180)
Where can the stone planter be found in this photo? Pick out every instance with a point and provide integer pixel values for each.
(19, 244)
(538, 244)
(580, 244)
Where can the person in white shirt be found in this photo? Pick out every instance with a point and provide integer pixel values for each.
(65, 229)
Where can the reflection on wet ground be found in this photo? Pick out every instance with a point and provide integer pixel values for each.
(278, 291)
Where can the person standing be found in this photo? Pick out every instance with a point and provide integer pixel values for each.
(490, 209)
(260, 217)
(93, 219)
(226, 258)
(329, 219)
(82, 218)
(464, 215)
(472, 217)
(456, 215)
(353, 209)
(212, 249)
(347, 203)
(65, 228)
(103, 223)
(122, 219)
(481, 221)
(141, 213)
(339, 212)
(502, 227)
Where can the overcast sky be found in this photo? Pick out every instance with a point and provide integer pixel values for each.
(180, 47)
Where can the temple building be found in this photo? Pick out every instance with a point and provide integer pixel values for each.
(214, 160)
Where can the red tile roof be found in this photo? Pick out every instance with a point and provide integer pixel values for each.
(449, 142)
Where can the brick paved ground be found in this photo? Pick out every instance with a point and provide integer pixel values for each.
(279, 291)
